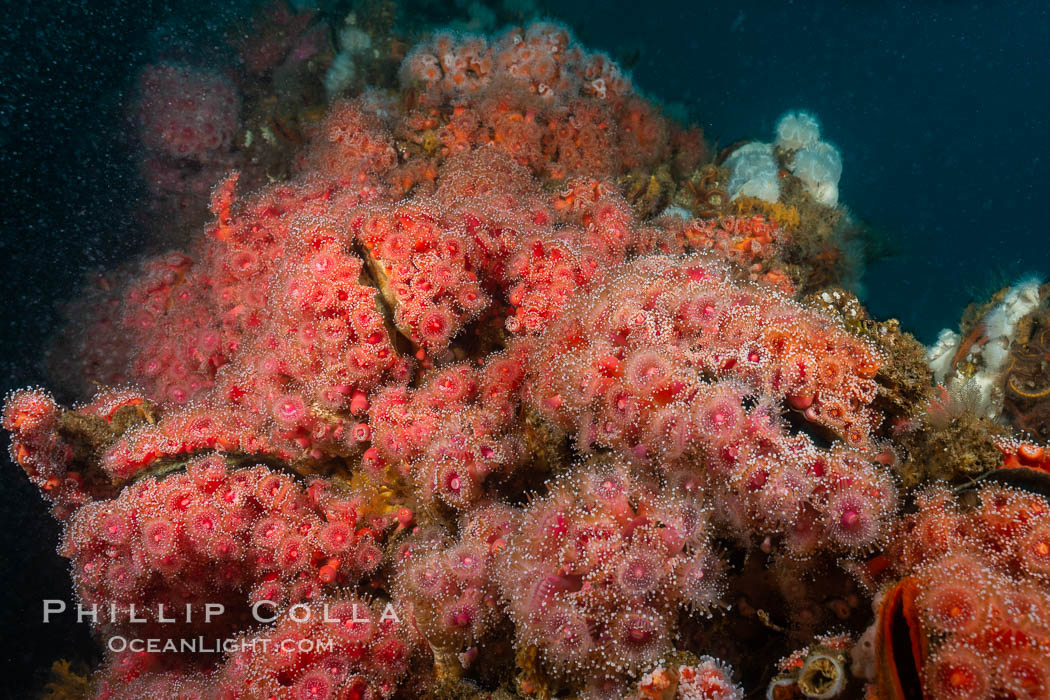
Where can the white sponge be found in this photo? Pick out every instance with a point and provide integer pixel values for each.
(753, 172)
(940, 354)
(340, 74)
(819, 166)
(797, 130)
(999, 329)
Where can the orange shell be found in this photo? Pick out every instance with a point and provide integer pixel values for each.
(901, 647)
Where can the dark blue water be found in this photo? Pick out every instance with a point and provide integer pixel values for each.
(941, 111)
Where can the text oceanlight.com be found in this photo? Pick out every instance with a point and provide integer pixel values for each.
(203, 645)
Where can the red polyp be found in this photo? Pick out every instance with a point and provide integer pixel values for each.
(159, 537)
(315, 685)
(289, 410)
(460, 616)
(115, 528)
(337, 536)
(1034, 549)
(958, 674)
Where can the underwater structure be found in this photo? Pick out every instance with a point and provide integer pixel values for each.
(475, 375)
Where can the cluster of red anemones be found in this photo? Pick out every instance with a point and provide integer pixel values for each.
(313, 347)
(351, 144)
(448, 586)
(671, 364)
(187, 119)
(251, 374)
(535, 94)
(128, 332)
(34, 421)
(599, 233)
(542, 58)
(449, 301)
(185, 112)
(209, 553)
(708, 679)
(598, 570)
(751, 242)
(487, 231)
(214, 536)
(31, 417)
(979, 579)
(1018, 454)
(454, 432)
(423, 267)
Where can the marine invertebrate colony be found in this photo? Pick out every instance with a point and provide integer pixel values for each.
(972, 599)
(445, 410)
